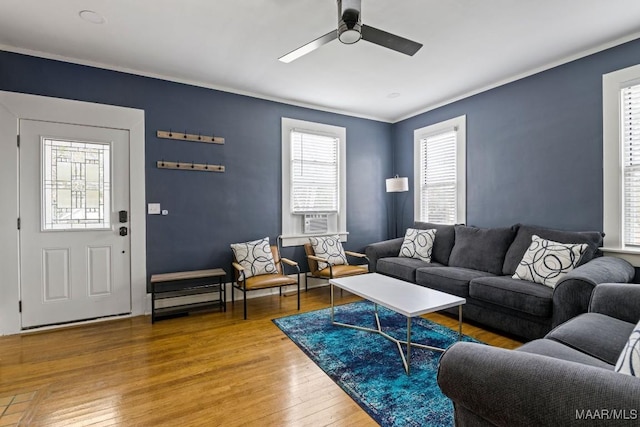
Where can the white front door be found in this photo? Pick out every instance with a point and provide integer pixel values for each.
(74, 245)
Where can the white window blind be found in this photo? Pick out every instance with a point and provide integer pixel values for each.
(630, 130)
(438, 189)
(314, 172)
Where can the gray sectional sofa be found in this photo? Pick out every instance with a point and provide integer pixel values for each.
(477, 264)
(565, 379)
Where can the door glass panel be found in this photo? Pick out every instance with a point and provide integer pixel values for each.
(76, 185)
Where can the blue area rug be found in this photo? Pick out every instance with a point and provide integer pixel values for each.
(369, 368)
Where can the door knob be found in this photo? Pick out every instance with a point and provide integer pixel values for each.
(124, 231)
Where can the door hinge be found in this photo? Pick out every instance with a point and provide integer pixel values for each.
(18, 223)
(20, 306)
(18, 137)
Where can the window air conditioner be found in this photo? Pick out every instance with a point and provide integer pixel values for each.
(316, 223)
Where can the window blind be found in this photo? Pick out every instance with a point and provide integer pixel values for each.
(631, 163)
(314, 172)
(438, 170)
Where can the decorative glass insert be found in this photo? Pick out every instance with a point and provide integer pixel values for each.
(76, 185)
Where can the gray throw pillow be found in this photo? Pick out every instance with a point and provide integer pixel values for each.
(443, 244)
(481, 249)
(418, 244)
(255, 257)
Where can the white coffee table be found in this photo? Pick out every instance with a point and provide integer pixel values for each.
(402, 297)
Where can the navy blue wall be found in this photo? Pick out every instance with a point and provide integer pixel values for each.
(208, 211)
(534, 146)
(534, 154)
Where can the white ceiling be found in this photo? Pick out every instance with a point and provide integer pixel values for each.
(234, 45)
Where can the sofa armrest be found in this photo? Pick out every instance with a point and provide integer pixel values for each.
(384, 249)
(619, 300)
(572, 293)
(512, 388)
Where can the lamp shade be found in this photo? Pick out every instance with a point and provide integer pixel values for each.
(397, 184)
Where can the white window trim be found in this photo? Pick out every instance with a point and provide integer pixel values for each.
(460, 124)
(612, 178)
(292, 224)
(612, 156)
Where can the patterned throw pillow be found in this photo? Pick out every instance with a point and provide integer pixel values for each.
(418, 244)
(329, 248)
(546, 261)
(255, 257)
(629, 360)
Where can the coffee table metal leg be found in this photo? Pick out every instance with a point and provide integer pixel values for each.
(408, 345)
(331, 291)
(406, 357)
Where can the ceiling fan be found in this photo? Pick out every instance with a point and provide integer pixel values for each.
(351, 30)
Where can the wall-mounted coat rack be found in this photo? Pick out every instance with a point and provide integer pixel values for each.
(189, 166)
(190, 137)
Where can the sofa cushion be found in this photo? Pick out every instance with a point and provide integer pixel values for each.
(418, 244)
(629, 360)
(520, 295)
(481, 249)
(443, 243)
(546, 261)
(595, 334)
(560, 351)
(402, 268)
(452, 280)
(523, 240)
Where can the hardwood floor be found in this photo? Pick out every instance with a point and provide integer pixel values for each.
(204, 369)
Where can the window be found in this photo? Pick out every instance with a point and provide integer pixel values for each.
(439, 172)
(313, 178)
(314, 172)
(630, 123)
(621, 159)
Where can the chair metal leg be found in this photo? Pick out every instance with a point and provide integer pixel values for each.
(244, 293)
(299, 291)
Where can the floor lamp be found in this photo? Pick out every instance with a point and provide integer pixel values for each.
(397, 185)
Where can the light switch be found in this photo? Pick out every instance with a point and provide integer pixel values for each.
(153, 209)
(165, 212)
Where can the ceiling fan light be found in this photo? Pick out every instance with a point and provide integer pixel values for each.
(349, 36)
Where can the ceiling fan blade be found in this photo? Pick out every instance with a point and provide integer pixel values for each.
(309, 47)
(391, 41)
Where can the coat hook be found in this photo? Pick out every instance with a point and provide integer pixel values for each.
(162, 164)
(177, 164)
(199, 137)
(206, 166)
(192, 166)
(185, 134)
